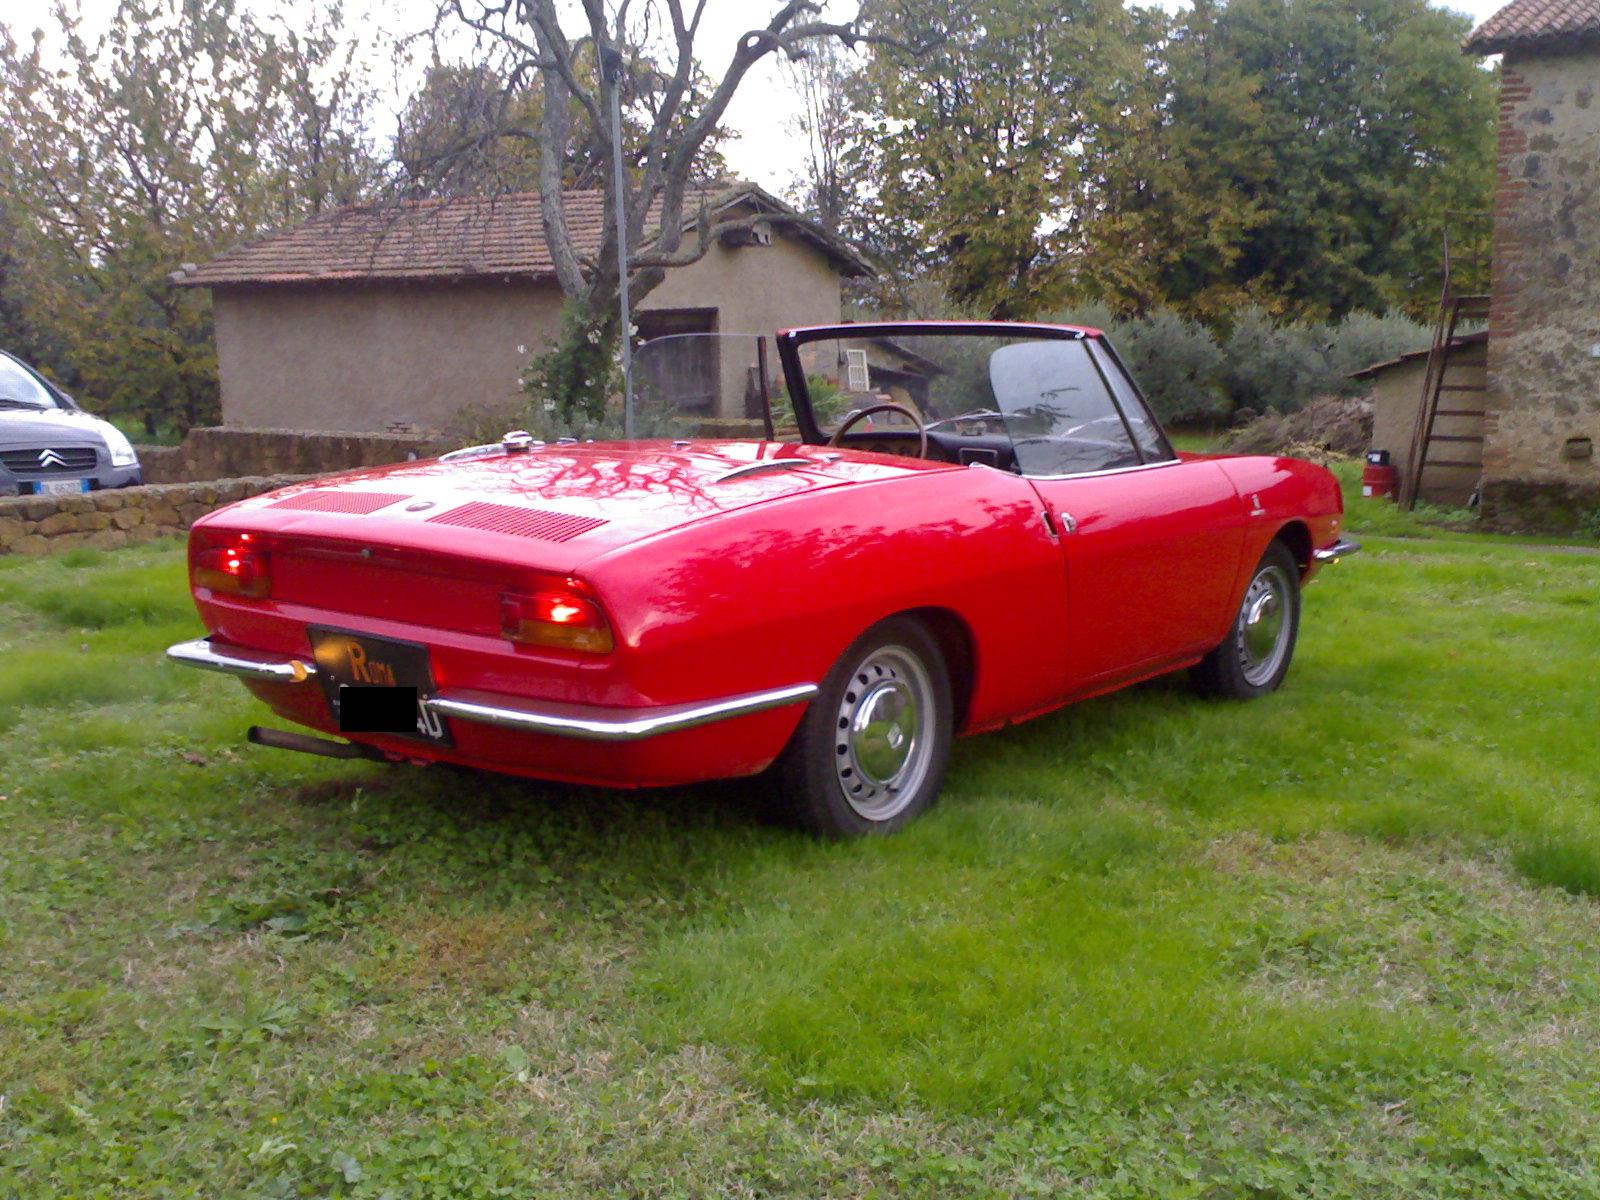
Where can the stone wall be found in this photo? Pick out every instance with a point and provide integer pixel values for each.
(119, 516)
(230, 453)
(1544, 324)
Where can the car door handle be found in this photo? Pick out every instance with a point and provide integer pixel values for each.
(1069, 523)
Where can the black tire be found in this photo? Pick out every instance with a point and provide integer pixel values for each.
(1242, 668)
(835, 785)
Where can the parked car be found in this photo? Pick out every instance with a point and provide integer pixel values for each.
(830, 610)
(48, 444)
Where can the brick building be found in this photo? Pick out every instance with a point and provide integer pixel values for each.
(1542, 412)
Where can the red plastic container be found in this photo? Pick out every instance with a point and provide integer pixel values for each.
(1380, 480)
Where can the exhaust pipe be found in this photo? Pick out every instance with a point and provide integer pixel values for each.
(280, 739)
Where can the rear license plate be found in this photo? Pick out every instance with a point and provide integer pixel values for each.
(60, 487)
(357, 663)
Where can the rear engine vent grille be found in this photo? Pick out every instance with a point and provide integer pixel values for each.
(518, 522)
(326, 500)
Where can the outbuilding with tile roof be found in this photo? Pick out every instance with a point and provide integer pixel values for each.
(376, 316)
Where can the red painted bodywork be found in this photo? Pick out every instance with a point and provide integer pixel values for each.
(719, 589)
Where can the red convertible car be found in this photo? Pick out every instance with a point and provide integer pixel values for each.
(975, 524)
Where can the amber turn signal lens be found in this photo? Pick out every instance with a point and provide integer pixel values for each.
(234, 568)
(556, 618)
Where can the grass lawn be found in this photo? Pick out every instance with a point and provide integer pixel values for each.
(1339, 942)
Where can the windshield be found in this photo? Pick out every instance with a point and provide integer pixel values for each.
(19, 388)
(703, 385)
(1052, 404)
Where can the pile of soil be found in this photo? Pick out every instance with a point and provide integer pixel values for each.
(1330, 427)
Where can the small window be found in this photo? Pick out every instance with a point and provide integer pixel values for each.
(1060, 416)
(1147, 432)
(858, 378)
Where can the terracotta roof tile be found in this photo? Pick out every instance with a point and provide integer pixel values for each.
(457, 238)
(1543, 24)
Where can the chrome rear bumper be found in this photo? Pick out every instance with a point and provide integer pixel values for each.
(1343, 548)
(581, 721)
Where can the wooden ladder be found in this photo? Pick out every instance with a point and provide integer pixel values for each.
(1454, 308)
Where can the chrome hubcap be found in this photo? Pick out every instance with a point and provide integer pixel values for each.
(1264, 625)
(881, 753)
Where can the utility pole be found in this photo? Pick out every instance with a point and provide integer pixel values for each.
(611, 64)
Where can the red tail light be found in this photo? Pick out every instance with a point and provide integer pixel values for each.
(233, 564)
(562, 616)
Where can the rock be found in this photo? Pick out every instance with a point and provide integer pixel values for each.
(108, 539)
(127, 518)
(32, 544)
(61, 522)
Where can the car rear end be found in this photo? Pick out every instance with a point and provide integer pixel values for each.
(445, 579)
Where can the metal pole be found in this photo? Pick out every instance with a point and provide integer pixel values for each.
(611, 66)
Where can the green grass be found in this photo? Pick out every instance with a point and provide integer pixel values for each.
(1338, 942)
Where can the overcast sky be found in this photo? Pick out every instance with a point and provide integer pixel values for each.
(763, 149)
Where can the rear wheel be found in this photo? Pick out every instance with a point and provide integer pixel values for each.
(871, 751)
(1253, 659)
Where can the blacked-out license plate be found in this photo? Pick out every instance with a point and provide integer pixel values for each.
(368, 679)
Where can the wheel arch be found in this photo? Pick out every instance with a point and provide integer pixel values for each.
(1296, 537)
(956, 644)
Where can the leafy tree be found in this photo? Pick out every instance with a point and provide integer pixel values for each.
(1168, 193)
(185, 128)
(975, 150)
(1379, 126)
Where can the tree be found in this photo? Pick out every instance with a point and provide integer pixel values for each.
(659, 191)
(1379, 125)
(976, 151)
(1304, 154)
(184, 129)
(1167, 193)
(826, 186)
(472, 129)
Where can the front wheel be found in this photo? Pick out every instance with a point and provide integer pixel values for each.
(1254, 657)
(871, 751)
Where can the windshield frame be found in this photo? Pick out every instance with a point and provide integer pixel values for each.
(790, 342)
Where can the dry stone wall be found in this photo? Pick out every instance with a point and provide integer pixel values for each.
(120, 516)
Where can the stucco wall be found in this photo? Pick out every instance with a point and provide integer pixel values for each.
(360, 357)
(756, 290)
(1544, 361)
(1397, 397)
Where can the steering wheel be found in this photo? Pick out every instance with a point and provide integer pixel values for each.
(883, 406)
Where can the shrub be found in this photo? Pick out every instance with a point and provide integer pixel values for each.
(1362, 339)
(1178, 365)
(1175, 360)
(1277, 366)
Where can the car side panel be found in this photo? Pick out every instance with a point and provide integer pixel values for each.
(1276, 493)
(773, 595)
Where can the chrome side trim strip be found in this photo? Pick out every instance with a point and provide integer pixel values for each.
(1343, 548)
(766, 464)
(609, 724)
(233, 660)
